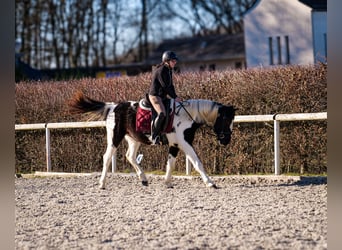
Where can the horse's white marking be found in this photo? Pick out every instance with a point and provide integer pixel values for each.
(231, 126)
(110, 124)
(202, 111)
(110, 121)
(107, 156)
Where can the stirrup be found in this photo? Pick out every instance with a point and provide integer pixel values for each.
(156, 140)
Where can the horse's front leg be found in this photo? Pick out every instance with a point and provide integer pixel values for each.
(173, 151)
(197, 164)
(131, 156)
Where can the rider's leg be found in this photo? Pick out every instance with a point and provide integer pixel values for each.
(157, 104)
(159, 120)
(158, 124)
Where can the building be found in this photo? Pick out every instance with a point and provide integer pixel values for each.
(279, 32)
(199, 53)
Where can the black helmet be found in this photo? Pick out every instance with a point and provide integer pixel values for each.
(168, 56)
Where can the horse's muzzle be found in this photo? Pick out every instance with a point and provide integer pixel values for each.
(224, 139)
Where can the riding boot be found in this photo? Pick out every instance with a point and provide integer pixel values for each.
(157, 127)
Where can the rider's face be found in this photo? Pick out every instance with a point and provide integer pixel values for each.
(173, 63)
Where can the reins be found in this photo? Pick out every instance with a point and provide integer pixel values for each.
(182, 106)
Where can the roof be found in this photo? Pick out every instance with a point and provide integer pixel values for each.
(316, 4)
(202, 48)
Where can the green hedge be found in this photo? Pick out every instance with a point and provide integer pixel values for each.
(288, 89)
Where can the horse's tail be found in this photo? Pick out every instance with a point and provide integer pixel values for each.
(93, 109)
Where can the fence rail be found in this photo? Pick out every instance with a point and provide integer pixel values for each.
(276, 119)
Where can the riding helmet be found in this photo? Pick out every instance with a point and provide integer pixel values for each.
(168, 56)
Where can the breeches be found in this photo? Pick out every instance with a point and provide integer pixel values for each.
(157, 104)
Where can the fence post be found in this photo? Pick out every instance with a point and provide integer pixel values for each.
(187, 165)
(114, 162)
(276, 146)
(48, 148)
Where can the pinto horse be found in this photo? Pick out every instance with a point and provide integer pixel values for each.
(189, 116)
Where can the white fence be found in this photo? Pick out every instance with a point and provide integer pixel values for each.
(276, 119)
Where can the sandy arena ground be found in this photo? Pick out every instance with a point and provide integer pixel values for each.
(245, 213)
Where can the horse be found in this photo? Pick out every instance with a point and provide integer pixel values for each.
(190, 115)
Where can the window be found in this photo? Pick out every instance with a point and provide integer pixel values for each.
(278, 50)
(287, 44)
(238, 65)
(325, 45)
(202, 67)
(212, 67)
(270, 46)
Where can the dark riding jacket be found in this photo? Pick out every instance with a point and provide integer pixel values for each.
(162, 84)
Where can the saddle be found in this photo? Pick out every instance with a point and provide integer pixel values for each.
(146, 114)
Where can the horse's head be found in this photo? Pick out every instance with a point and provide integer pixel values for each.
(224, 123)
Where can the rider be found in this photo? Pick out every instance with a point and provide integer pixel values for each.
(162, 88)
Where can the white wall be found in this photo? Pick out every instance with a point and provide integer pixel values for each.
(220, 65)
(278, 18)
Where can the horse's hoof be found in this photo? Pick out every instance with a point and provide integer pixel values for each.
(145, 183)
(212, 185)
(168, 185)
(101, 185)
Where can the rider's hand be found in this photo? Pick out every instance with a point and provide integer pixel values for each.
(178, 99)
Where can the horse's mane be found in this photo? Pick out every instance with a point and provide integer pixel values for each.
(202, 111)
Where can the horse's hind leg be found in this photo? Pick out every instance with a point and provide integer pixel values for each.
(107, 157)
(106, 162)
(131, 156)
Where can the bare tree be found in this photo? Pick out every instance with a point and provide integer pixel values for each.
(104, 11)
(54, 33)
(147, 9)
(76, 33)
(179, 10)
(217, 15)
(114, 18)
(89, 15)
(26, 32)
(143, 32)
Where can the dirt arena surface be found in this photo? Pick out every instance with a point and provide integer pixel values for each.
(244, 213)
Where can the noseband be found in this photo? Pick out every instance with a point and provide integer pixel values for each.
(222, 134)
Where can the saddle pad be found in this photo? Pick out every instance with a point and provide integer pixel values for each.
(144, 118)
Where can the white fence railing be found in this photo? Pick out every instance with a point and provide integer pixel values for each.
(276, 119)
